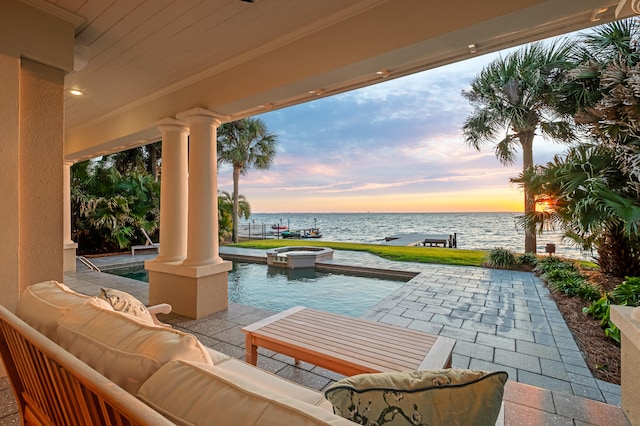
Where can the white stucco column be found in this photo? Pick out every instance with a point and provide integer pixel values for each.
(173, 191)
(69, 259)
(202, 232)
(196, 286)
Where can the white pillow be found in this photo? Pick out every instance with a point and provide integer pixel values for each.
(124, 302)
(190, 393)
(122, 347)
(42, 304)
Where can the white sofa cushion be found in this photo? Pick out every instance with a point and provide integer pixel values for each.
(190, 393)
(272, 381)
(42, 304)
(122, 347)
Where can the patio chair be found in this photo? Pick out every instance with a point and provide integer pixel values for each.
(149, 245)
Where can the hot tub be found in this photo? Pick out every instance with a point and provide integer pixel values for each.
(298, 257)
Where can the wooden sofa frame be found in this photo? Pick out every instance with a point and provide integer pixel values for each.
(52, 387)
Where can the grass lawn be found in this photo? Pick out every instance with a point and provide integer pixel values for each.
(444, 256)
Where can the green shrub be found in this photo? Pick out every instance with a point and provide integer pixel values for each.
(528, 259)
(503, 258)
(566, 278)
(562, 274)
(601, 310)
(589, 292)
(627, 292)
(548, 263)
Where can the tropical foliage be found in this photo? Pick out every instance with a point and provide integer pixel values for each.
(142, 159)
(109, 208)
(627, 293)
(593, 191)
(225, 213)
(513, 97)
(245, 144)
(503, 258)
(114, 196)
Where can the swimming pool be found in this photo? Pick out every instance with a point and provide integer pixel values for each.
(277, 289)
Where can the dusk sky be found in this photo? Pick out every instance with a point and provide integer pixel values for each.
(393, 147)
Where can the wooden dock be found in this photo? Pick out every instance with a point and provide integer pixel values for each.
(418, 239)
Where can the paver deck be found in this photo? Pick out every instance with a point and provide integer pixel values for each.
(501, 320)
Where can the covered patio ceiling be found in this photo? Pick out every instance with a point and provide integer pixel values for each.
(146, 60)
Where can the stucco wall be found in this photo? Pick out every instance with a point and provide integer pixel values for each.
(9, 179)
(35, 48)
(31, 162)
(41, 173)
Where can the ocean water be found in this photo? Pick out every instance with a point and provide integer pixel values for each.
(482, 231)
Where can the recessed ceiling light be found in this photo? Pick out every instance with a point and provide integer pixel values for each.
(383, 73)
(76, 92)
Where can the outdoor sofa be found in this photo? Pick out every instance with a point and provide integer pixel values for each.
(77, 360)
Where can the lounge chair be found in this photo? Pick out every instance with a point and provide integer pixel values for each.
(150, 245)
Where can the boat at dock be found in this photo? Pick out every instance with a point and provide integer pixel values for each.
(311, 233)
(302, 233)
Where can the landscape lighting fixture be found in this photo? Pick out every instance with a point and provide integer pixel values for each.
(76, 92)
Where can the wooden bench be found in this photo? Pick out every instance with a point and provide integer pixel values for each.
(346, 345)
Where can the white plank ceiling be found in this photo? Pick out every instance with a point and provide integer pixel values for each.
(151, 59)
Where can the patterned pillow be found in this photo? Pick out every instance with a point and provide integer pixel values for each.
(433, 397)
(124, 302)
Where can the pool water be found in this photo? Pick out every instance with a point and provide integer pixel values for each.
(277, 289)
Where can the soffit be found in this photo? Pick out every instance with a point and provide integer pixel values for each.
(151, 59)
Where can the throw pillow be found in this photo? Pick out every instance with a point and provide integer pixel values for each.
(432, 397)
(124, 302)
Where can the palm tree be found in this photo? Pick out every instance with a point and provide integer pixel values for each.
(596, 185)
(225, 213)
(595, 202)
(512, 98)
(245, 144)
(142, 158)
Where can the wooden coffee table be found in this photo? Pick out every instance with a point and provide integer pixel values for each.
(346, 345)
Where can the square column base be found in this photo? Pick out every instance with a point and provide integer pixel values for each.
(629, 324)
(194, 292)
(69, 257)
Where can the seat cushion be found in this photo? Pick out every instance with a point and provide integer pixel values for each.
(272, 381)
(122, 347)
(433, 397)
(122, 301)
(189, 393)
(42, 304)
